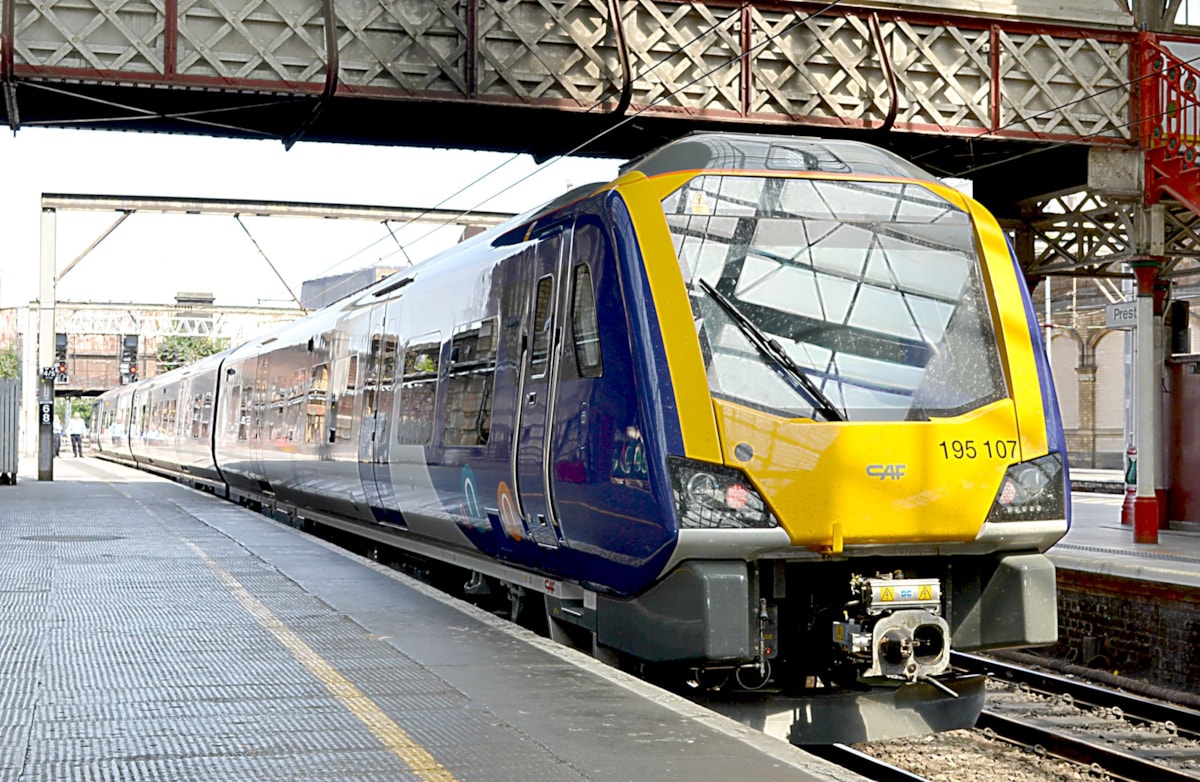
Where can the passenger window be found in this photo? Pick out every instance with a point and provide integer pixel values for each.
(371, 377)
(541, 321)
(247, 407)
(585, 328)
(343, 408)
(206, 415)
(318, 389)
(470, 382)
(197, 407)
(418, 394)
(387, 367)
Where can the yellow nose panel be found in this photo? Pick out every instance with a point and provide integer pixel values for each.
(874, 482)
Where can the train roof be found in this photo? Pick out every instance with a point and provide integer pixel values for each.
(750, 151)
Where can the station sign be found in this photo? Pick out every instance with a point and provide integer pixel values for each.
(1122, 315)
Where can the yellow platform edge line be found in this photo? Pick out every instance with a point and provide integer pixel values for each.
(391, 735)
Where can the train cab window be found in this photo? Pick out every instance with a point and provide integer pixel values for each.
(542, 317)
(418, 390)
(470, 382)
(585, 328)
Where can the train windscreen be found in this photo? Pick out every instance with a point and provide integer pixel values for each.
(836, 299)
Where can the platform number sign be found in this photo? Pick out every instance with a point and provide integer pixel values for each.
(45, 413)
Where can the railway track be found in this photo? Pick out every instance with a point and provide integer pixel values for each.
(1125, 736)
(1134, 707)
(864, 764)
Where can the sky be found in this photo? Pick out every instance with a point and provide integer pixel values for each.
(149, 258)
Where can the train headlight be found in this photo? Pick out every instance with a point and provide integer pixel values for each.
(709, 496)
(1031, 491)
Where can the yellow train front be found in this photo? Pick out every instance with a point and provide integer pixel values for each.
(866, 418)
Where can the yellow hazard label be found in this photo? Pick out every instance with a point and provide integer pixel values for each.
(926, 593)
(839, 633)
(887, 594)
(700, 204)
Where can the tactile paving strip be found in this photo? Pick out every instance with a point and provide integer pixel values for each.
(1182, 558)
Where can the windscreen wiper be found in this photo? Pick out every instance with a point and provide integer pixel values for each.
(775, 352)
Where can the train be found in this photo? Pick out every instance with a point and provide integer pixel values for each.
(772, 412)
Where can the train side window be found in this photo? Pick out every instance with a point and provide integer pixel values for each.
(232, 387)
(418, 390)
(585, 327)
(197, 406)
(470, 383)
(542, 316)
(247, 408)
(206, 415)
(371, 379)
(315, 404)
(387, 363)
(343, 408)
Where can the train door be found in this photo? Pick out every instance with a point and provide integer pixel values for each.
(539, 370)
(254, 390)
(379, 393)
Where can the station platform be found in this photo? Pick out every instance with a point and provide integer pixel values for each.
(154, 632)
(1097, 481)
(1098, 543)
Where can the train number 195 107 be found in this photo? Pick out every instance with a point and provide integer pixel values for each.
(973, 449)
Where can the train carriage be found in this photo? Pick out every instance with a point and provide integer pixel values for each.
(767, 407)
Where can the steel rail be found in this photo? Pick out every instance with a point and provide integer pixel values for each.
(861, 763)
(1186, 720)
(1118, 765)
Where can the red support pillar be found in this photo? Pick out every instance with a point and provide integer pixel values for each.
(1162, 289)
(1146, 374)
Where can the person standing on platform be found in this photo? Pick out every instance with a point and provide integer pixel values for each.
(57, 435)
(76, 429)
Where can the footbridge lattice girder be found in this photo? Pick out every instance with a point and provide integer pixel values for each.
(1081, 233)
(792, 64)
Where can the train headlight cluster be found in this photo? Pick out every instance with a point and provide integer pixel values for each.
(710, 496)
(1031, 491)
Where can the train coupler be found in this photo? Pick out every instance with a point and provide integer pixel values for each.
(893, 629)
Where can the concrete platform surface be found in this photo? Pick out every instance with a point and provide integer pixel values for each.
(1098, 543)
(152, 632)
